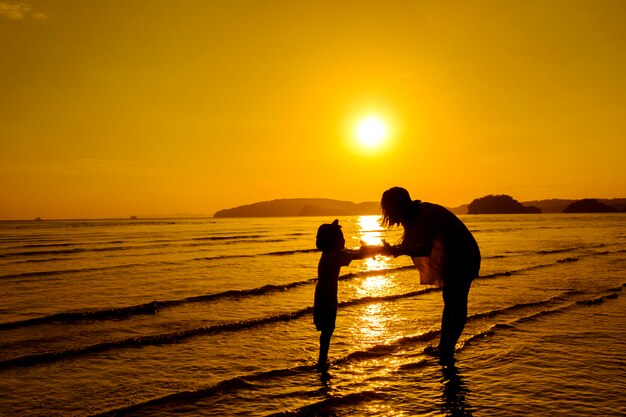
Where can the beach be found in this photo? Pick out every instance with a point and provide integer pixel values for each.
(213, 317)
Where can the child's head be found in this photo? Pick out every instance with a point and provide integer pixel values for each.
(330, 236)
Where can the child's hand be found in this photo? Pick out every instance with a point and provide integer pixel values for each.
(370, 250)
(365, 249)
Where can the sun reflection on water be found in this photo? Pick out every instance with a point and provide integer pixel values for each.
(375, 264)
(375, 286)
(370, 233)
(371, 326)
(370, 230)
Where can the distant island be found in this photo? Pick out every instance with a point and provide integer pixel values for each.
(301, 207)
(589, 205)
(499, 204)
(490, 204)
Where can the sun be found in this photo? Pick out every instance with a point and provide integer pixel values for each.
(371, 132)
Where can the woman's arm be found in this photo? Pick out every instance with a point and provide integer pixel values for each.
(412, 251)
(419, 233)
(365, 251)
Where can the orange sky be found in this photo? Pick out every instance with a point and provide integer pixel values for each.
(128, 107)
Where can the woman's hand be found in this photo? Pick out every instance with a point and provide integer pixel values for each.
(390, 250)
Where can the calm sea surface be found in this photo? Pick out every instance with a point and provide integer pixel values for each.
(213, 317)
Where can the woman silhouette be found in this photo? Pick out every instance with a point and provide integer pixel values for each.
(445, 253)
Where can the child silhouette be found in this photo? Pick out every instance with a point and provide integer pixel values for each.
(331, 242)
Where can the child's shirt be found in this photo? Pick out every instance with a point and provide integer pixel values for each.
(327, 276)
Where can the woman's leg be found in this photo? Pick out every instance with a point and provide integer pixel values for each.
(324, 346)
(453, 319)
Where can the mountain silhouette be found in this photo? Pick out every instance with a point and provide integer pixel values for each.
(301, 207)
(490, 204)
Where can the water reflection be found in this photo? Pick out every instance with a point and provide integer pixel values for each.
(375, 264)
(325, 378)
(371, 326)
(370, 230)
(454, 390)
(375, 286)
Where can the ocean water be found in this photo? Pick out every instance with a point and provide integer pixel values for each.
(213, 317)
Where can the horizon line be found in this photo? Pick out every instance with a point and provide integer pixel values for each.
(212, 216)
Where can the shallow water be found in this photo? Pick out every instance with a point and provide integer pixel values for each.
(214, 317)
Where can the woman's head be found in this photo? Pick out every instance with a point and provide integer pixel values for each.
(395, 204)
(330, 237)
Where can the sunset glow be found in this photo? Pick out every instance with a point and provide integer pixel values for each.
(165, 110)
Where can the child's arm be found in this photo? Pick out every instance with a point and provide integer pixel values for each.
(368, 251)
(351, 254)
